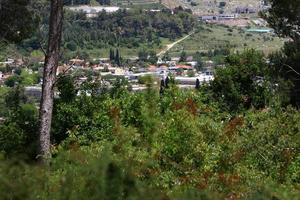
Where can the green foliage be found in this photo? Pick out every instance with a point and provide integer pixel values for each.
(72, 46)
(125, 28)
(12, 28)
(284, 70)
(3, 107)
(67, 89)
(109, 143)
(174, 143)
(284, 17)
(183, 56)
(18, 132)
(243, 82)
(74, 174)
(22, 77)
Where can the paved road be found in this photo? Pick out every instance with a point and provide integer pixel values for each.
(170, 46)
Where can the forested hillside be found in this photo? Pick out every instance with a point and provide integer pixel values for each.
(125, 28)
(133, 29)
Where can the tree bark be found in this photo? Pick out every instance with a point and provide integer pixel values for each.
(49, 77)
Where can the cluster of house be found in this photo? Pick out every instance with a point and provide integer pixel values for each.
(93, 11)
(225, 16)
(184, 74)
(218, 17)
(245, 10)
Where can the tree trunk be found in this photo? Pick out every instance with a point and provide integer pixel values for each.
(49, 77)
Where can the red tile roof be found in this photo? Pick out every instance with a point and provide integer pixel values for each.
(184, 67)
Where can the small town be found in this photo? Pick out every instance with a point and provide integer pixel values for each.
(185, 74)
(186, 71)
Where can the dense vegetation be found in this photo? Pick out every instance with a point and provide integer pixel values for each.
(286, 22)
(12, 28)
(234, 138)
(125, 28)
(131, 29)
(214, 142)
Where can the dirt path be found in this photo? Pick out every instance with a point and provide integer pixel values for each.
(170, 46)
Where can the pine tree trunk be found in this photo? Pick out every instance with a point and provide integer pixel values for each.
(49, 77)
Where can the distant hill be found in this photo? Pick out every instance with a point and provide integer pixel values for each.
(201, 7)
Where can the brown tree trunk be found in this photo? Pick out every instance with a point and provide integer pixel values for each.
(49, 77)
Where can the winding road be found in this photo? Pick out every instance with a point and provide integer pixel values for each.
(170, 46)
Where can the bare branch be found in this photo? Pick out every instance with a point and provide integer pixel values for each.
(292, 69)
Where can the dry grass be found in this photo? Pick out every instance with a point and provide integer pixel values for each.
(212, 36)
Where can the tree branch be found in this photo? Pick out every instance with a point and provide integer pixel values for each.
(292, 69)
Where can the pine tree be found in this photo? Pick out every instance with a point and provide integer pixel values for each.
(197, 84)
(49, 78)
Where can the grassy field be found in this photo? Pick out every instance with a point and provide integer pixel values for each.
(210, 36)
(127, 52)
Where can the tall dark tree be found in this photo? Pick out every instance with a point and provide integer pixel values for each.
(197, 86)
(49, 77)
(117, 57)
(111, 55)
(162, 86)
(284, 17)
(167, 81)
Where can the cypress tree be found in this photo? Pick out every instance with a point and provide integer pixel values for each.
(162, 86)
(117, 57)
(167, 82)
(197, 84)
(111, 55)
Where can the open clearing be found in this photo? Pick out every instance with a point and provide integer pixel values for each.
(211, 36)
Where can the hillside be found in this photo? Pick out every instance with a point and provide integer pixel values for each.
(212, 36)
(202, 7)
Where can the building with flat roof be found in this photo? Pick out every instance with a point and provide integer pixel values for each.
(92, 11)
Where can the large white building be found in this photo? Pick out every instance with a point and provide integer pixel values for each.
(92, 11)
